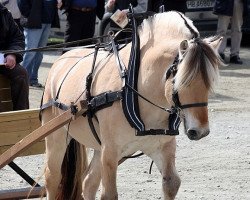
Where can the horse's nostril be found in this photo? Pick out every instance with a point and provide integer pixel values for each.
(192, 134)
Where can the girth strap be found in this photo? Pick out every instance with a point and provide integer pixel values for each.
(104, 100)
(99, 102)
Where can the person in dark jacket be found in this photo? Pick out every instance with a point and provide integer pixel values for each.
(11, 38)
(139, 6)
(41, 15)
(81, 18)
(230, 11)
(177, 5)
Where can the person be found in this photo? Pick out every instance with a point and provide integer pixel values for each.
(11, 38)
(41, 16)
(139, 6)
(12, 6)
(230, 10)
(177, 5)
(81, 18)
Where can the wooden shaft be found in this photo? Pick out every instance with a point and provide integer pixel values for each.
(23, 193)
(34, 137)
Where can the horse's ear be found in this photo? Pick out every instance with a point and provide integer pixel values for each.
(215, 42)
(183, 47)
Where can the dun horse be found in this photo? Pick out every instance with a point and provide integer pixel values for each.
(162, 38)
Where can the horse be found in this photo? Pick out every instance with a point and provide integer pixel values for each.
(162, 37)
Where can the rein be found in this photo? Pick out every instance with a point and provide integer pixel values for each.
(60, 46)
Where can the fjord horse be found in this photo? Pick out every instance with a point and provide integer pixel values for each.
(162, 37)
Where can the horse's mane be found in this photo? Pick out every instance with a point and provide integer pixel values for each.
(168, 24)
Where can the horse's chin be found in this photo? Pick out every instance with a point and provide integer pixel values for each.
(196, 134)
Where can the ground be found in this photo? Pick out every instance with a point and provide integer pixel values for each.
(216, 167)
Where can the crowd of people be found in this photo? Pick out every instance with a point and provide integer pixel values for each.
(26, 24)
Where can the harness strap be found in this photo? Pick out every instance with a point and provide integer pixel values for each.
(104, 100)
(92, 127)
(172, 70)
(120, 64)
(157, 132)
(130, 102)
(53, 102)
(179, 105)
(97, 103)
(204, 104)
(144, 98)
(58, 92)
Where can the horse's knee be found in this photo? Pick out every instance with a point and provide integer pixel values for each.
(170, 184)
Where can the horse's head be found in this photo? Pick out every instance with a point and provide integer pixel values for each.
(195, 72)
(195, 77)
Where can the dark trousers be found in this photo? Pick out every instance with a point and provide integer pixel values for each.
(19, 24)
(80, 25)
(19, 86)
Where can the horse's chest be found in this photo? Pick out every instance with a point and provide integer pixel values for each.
(147, 144)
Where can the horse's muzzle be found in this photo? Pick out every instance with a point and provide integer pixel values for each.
(196, 134)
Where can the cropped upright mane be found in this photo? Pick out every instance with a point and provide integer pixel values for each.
(168, 24)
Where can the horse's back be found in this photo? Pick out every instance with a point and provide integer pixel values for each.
(68, 75)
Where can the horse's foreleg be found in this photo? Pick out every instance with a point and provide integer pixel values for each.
(108, 170)
(92, 177)
(55, 151)
(165, 161)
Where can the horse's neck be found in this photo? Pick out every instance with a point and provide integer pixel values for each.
(153, 68)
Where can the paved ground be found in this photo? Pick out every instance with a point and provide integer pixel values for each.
(216, 167)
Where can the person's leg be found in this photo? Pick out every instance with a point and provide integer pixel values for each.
(32, 37)
(80, 25)
(236, 24)
(222, 26)
(88, 26)
(73, 26)
(39, 55)
(19, 86)
(19, 24)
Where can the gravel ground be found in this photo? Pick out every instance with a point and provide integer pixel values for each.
(216, 167)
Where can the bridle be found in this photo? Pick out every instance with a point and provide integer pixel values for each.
(172, 70)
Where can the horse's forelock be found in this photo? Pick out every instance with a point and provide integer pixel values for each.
(199, 58)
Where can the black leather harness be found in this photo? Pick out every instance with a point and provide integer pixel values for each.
(128, 94)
